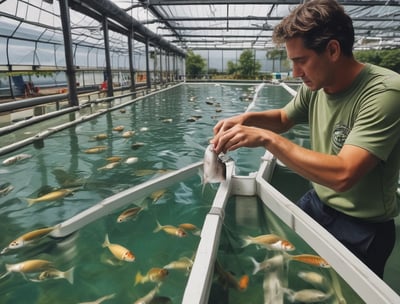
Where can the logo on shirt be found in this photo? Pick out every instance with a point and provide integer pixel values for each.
(339, 135)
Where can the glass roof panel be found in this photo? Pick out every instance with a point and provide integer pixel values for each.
(193, 24)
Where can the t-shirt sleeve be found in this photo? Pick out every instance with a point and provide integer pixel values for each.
(297, 109)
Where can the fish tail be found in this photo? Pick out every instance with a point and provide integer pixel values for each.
(203, 187)
(110, 296)
(197, 232)
(257, 266)
(289, 293)
(5, 274)
(69, 275)
(106, 241)
(158, 228)
(30, 201)
(203, 181)
(287, 256)
(138, 278)
(144, 205)
(247, 240)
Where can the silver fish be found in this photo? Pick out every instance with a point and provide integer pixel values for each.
(269, 264)
(100, 300)
(13, 159)
(214, 170)
(314, 278)
(306, 295)
(148, 297)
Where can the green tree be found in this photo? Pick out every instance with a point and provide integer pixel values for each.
(276, 54)
(232, 67)
(386, 58)
(391, 59)
(248, 66)
(195, 65)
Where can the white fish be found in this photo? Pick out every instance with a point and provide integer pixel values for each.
(184, 263)
(148, 297)
(57, 274)
(13, 159)
(109, 166)
(306, 295)
(314, 278)
(128, 134)
(214, 170)
(131, 160)
(268, 264)
(100, 300)
(272, 286)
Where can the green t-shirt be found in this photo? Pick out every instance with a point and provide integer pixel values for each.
(366, 115)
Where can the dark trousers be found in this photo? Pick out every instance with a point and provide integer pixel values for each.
(372, 243)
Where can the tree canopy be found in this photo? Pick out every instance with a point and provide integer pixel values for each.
(195, 65)
(385, 58)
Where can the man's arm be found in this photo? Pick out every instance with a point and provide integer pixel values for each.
(338, 172)
(275, 120)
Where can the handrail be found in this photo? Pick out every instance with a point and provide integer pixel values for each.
(31, 102)
(289, 89)
(123, 198)
(51, 130)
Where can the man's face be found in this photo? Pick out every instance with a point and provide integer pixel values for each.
(311, 67)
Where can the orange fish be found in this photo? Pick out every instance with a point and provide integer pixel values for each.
(113, 159)
(51, 196)
(156, 195)
(243, 282)
(128, 134)
(28, 266)
(153, 275)
(310, 259)
(190, 227)
(100, 136)
(120, 252)
(29, 238)
(118, 128)
(228, 280)
(270, 241)
(129, 214)
(172, 230)
(94, 150)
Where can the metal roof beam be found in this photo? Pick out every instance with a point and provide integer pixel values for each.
(287, 2)
(249, 28)
(114, 12)
(258, 18)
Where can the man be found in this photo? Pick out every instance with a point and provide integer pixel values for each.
(353, 111)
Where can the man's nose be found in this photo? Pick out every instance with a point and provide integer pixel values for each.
(297, 71)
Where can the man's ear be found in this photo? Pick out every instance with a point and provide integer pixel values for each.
(333, 49)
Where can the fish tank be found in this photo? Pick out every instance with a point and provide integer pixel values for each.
(145, 187)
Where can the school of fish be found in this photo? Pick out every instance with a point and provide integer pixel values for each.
(214, 171)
